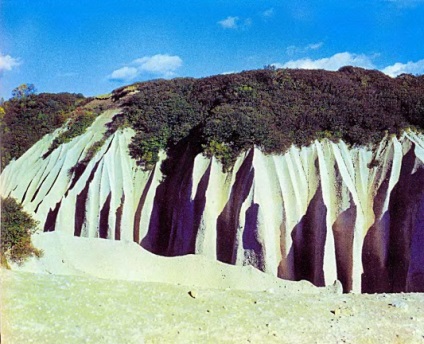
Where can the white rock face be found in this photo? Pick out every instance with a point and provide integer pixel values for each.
(320, 213)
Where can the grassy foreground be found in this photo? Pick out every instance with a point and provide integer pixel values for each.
(41, 308)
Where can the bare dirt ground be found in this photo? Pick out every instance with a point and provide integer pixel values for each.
(43, 308)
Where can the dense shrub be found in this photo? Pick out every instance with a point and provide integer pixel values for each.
(271, 109)
(16, 229)
(27, 120)
(118, 122)
(225, 115)
(79, 121)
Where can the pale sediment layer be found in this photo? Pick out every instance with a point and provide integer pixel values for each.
(65, 254)
(322, 212)
(42, 308)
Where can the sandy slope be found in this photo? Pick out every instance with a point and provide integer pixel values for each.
(42, 308)
(66, 254)
(90, 293)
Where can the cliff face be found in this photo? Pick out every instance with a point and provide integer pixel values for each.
(320, 213)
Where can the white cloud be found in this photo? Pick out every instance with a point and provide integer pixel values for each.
(229, 23)
(409, 67)
(268, 13)
(236, 23)
(164, 65)
(124, 74)
(293, 49)
(229, 72)
(7, 63)
(339, 60)
(314, 46)
(160, 65)
(330, 63)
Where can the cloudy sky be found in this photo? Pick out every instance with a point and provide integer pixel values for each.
(92, 47)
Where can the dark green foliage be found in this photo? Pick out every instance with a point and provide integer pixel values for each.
(162, 115)
(80, 120)
(80, 167)
(23, 90)
(16, 229)
(28, 119)
(271, 109)
(220, 150)
(118, 122)
(225, 115)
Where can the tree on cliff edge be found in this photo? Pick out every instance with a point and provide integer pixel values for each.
(23, 91)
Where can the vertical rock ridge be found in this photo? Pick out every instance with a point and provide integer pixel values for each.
(137, 215)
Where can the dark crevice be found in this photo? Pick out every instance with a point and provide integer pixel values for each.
(199, 204)
(404, 210)
(415, 280)
(80, 167)
(50, 224)
(104, 218)
(38, 205)
(181, 214)
(309, 241)
(375, 278)
(168, 196)
(54, 181)
(228, 221)
(118, 215)
(169, 193)
(109, 145)
(343, 231)
(26, 190)
(40, 184)
(81, 203)
(252, 244)
(78, 171)
(38, 188)
(187, 212)
(51, 150)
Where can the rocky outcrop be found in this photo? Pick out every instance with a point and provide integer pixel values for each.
(321, 213)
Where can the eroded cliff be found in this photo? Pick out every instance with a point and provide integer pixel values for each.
(322, 212)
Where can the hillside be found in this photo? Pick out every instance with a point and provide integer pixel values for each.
(225, 115)
(301, 174)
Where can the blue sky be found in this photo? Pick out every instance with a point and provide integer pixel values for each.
(93, 47)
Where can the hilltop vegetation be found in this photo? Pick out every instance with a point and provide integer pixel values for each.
(28, 118)
(225, 115)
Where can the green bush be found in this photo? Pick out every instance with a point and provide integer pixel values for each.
(81, 119)
(16, 229)
(221, 151)
(28, 119)
(225, 115)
